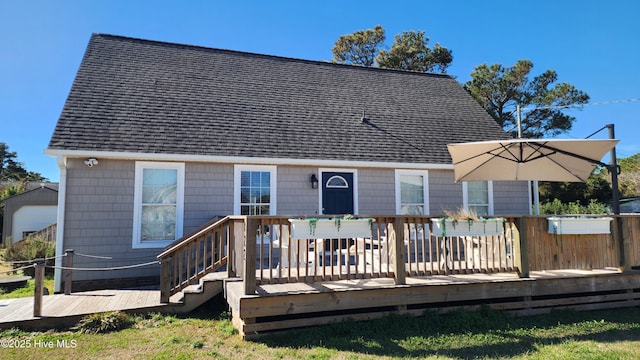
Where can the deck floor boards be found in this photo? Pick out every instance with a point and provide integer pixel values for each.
(78, 304)
(376, 283)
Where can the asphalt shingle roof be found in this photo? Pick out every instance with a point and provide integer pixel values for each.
(141, 96)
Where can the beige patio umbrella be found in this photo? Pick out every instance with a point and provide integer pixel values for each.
(528, 159)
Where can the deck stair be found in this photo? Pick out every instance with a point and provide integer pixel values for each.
(192, 296)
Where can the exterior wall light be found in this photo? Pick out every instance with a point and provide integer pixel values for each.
(314, 181)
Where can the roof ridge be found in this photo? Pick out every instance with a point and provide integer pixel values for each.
(275, 57)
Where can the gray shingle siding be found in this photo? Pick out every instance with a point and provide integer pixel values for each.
(144, 96)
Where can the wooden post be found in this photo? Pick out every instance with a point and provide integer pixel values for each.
(165, 280)
(239, 228)
(249, 256)
(39, 289)
(521, 248)
(67, 273)
(398, 252)
(231, 239)
(623, 240)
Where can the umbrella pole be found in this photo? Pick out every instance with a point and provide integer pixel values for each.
(535, 189)
(536, 196)
(625, 249)
(613, 170)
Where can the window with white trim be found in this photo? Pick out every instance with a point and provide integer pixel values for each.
(412, 196)
(255, 190)
(478, 197)
(158, 204)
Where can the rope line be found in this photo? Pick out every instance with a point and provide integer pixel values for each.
(105, 269)
(148, 257)
(17, 269)
(94, 256)
(32, 260)
(75, 253)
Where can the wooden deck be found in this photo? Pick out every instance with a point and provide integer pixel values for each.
(278, 307)
(60, 310)
(284, 306)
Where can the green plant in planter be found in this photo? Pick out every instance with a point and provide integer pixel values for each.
(313, 222)
(470, 217)
(557, 207)
(338, 220)
(461, 214)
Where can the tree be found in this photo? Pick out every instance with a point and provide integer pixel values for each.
(12, 170)
(596, 188)
(629, 178)
(359, 48)
(410, 51)
(499, 89)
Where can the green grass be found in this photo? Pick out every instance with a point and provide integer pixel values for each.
(486, 334)
(28, 290)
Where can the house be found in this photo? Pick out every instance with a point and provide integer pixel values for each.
(29, 212)
(155, 139)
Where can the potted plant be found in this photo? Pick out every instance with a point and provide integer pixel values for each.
(467, 223)
(339, 227)
(578, 219)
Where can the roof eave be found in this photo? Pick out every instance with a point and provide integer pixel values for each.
(242, 160)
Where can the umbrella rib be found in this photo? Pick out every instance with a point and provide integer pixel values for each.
(568, 153)
(536, 150)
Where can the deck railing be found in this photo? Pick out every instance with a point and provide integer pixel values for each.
(398, 246)
(48, 233)
(261, 250)
(545, 250)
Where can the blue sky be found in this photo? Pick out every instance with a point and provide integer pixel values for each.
(593, 45)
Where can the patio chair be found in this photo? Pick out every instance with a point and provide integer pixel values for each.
(301, 255)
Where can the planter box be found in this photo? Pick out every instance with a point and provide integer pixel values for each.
(579, 225)
(330, 228)
(481, 227)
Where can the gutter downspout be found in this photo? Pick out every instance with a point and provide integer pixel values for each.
(62, 195)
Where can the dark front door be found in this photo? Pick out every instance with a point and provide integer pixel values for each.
(337, 193)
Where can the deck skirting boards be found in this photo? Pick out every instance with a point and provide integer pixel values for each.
(287, 306)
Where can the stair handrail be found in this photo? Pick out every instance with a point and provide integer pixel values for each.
(182, 263)
(183, 241)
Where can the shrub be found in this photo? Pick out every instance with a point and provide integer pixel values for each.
(101, 323)
(25, 252)
(556, 207)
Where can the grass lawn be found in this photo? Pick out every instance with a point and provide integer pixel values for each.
(25, 291)
(486, 334)
(28, 290)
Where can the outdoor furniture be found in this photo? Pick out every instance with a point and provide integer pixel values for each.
(302, 251)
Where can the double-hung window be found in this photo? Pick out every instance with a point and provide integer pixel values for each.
(478, 197)
(159, 201)
(255, 190)
(412, 192)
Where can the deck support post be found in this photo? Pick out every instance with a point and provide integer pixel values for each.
(67, 273)
(39, 289)
(521, 248)
(249, 256)
(165, 280)
(398, 252)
